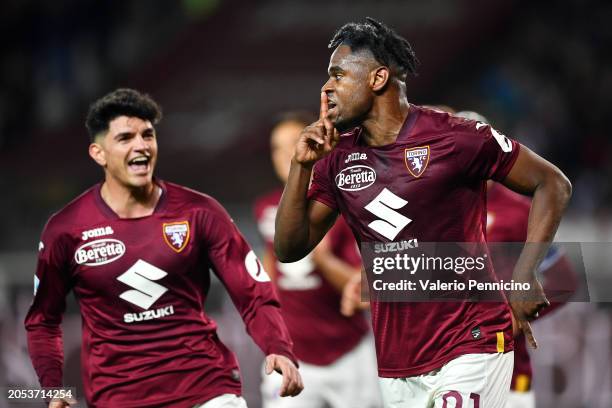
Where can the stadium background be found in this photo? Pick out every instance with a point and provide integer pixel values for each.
(223, 69)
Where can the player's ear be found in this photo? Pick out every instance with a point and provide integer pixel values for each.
(379, 78)
(96, 152)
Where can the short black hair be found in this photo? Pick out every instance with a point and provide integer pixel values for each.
(120, 102)
(388, 48)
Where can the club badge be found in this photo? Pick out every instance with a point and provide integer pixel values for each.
(176, 235)
(417, 159)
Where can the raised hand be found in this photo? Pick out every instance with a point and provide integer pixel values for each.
(317, 139)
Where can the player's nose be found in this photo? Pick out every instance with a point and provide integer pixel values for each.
(327, 87)
(140, 143)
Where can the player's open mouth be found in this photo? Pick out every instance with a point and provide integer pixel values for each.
(139, 164)
(330, 107)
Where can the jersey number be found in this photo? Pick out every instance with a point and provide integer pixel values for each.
(459, 400)
(391, 222)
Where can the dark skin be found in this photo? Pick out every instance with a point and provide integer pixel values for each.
(361, 91)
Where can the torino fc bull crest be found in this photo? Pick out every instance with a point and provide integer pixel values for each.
(417, 159)
(176, 235)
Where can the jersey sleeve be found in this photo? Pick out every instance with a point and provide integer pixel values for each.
(43, 320)
(247, 283)
(322, 186)
(484, 153)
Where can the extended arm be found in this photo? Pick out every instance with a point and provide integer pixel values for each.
(253, 295)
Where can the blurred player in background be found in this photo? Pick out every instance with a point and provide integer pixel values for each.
(336, 353)
(428, 352)
(137, 252)
(507, 221)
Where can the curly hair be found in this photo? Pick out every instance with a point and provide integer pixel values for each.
(386, 45)
(120, 102)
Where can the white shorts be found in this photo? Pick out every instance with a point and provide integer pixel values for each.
(468, 381)
(349, 382)
(224, 401)
(521, 399)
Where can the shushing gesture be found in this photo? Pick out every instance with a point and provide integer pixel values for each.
(318, 139)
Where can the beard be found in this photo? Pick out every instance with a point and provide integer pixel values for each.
(344, 124)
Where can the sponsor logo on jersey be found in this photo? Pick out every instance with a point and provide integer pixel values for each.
(148, 314)
(355, 178)
(99, 252)
(97, 232)
(395, 246)
(417, 159)
(255, 268)
(140, 277)
(298, 275)
(176, 235)
(356, 156)
(502, 140)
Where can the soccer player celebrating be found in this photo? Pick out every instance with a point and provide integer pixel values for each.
(137, 251)
(433, 353)
(336, 354)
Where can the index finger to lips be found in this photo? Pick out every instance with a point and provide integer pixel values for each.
(323, 111)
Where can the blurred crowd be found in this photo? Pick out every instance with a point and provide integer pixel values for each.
(541, 75)
(549, 84)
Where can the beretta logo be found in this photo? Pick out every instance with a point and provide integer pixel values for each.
(355, 178)
(99, 252)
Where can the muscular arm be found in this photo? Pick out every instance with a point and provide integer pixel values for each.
(551, 192)
(300, 223)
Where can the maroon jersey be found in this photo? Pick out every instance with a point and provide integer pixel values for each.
(507, 220)
(141, 284)
(311, 306)
(428, 185)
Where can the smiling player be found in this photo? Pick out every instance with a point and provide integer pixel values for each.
(137, 251)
